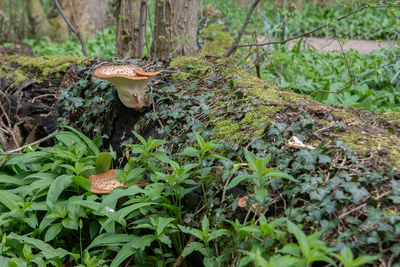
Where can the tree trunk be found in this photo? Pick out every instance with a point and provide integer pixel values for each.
(127, 15)
(175, 32)
(38, 19)
(90, 16)
(40, 24)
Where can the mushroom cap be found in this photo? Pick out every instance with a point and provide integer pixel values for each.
(123, 71)
(103, 183)
(243, 201)
(140, 72)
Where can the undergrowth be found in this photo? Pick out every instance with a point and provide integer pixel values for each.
(309, 71)
(50, 217)
(343, 195)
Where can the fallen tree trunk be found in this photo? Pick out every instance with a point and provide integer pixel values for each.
(346, 160)
(30, 95)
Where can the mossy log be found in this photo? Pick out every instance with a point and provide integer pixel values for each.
(349, 178)
(30, 86)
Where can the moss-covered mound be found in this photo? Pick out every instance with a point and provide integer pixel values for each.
(21, 68)
(346, 161)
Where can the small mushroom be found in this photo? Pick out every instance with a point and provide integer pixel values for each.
(130, 82)
(104, 183)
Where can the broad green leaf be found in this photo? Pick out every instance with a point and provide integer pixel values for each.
(56, 188)
(217, 233)
(161, 156)
(9, 199)
(276, 173)
(140, 138)
(52, 232)
(362, 260)
(251, 159)
(216, 156)
(153, 143)
(137, 243)
(289, 261)
(347, 255)
(162, 223)
(109, 239)
(190, 151)
(125, 211)
(135, 174)
(291, 248)
(70, 139)
(82, 181)
(125, 252)
(7, 179)
(103, 162)
(199, 139)
(48, 251)
(238, 179)
(191, 231)
(90, 144)
(205, 224)
(301, 238)
(194, 246)
(112, 198)
(90, 204)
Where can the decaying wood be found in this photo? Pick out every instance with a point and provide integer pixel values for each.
(27, 111)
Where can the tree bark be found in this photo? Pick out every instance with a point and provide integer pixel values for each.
(175, 32)
(90, 16)
(38, 20)
(127, 15)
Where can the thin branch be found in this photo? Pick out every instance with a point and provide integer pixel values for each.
(347, 62)
(356, 80)
(78, 34)
(317, 28)
(33, 143)
(232, 49)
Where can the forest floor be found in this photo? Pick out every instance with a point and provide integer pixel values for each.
(362, 46)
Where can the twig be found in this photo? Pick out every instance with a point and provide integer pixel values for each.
(78, 34)
(362, 206)
(257, 63)
(40, 96)
(346, 61)
(232, 49)
(315, 29)
(356, 80)
(34, 143)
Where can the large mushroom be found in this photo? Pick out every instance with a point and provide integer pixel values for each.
(130, 82)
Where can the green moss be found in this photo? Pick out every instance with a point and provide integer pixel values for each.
(393, 117)
(275, 96)
(38, 68)
(252, 125)
(363, 144)
(216, 40)
(180, 76)
(185, 62)
(342, 114)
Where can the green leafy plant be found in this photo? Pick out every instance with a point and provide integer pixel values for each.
(47, 219)
(260, 175)
(347, 259)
